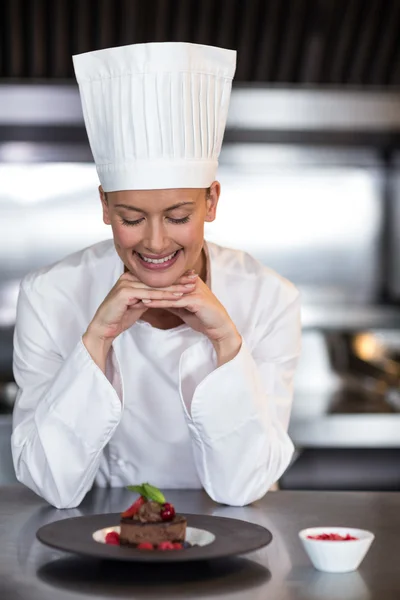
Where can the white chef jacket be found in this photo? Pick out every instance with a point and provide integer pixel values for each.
(164, 412)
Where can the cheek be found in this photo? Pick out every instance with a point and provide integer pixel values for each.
(191, 234)
(125, 237)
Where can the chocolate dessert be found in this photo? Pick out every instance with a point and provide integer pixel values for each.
(151, 520)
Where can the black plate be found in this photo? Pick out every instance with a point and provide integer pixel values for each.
(231, 537)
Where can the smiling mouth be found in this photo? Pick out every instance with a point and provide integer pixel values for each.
(158, 261)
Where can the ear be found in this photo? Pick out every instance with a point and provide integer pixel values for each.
(104, 204)
(212, 202)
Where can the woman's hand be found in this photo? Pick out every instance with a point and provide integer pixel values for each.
(203, 312)
(121, 308)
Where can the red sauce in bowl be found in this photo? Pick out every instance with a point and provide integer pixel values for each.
(332, 537)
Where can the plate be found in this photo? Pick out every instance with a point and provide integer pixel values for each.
(220, 536)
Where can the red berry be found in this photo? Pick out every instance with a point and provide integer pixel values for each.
(132, 510)
(332, 537)
(145, 546)
(112, 538)
(165, 546)
(167, 512)
(177, 546)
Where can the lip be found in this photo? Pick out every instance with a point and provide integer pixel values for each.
(160, 266)
(158, 257)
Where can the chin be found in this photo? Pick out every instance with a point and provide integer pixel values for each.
(156, 279)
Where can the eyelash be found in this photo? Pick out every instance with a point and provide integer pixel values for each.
(173, 221)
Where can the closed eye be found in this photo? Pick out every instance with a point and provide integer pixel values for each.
(178, 221)
(126, 222)
(170, 219)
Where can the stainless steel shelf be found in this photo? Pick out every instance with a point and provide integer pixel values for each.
(251, 108)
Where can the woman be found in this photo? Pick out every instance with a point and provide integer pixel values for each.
(155, 356)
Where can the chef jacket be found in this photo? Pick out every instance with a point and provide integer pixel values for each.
(164, 411)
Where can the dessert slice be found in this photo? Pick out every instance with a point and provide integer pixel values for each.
(151, 520)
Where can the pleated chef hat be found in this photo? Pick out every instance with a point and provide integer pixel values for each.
(155, 113)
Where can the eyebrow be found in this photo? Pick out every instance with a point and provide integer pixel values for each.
(130, 207)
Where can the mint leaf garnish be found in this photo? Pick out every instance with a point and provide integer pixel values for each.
(148, 491)
(137, 488)
(153, 493)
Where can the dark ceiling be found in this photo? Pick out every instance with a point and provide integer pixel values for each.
(300, 42)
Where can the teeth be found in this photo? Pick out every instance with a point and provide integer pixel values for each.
(157, 261)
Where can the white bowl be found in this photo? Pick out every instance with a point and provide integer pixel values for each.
(336, 557)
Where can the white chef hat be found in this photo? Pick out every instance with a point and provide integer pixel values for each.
(155, 113)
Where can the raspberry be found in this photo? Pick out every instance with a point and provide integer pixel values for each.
(112, 538)
(145, 546)
(165, 546)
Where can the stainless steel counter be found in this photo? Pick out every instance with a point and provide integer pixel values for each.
(30, 571)
(7, 474)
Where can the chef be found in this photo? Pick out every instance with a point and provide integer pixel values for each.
(155, 356)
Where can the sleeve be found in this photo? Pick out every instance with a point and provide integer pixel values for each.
(65, 413)
(238, 414)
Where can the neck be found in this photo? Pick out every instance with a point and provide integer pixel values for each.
(201, 265)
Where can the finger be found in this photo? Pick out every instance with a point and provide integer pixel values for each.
(131, 296)
(194, 278)
(188, 279)
(185, 302)
(134, 313)
(191, 273)
(137, 310)
(133, 302)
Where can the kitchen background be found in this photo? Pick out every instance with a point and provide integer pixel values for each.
(310, 173)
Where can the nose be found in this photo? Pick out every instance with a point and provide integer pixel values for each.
(155, 240)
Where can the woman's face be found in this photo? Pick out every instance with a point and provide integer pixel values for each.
(159, 234)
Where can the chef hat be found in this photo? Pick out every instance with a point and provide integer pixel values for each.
(155, 113)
